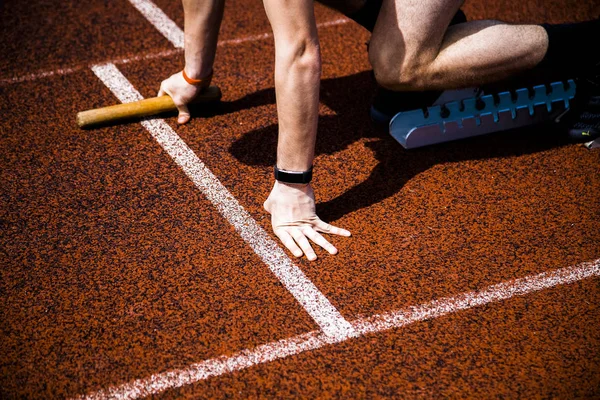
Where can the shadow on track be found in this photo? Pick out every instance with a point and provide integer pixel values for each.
(350, 97)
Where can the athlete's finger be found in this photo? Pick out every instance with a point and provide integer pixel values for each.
(288, 242)
(184, 114)
(162, 91)
(302, 241)
(321, 226)
(319, 239)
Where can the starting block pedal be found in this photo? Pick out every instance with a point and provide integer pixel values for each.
(481, 115)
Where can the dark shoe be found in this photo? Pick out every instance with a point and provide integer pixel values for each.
(585, 118)
(388, 103)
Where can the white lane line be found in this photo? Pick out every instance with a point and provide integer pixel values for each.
(339, 21)
(306, 293)
(491, 294)
(143, 57)
(66, 71)
(161, 21)
(148, 56)
(264, 36)
(41, 74)
(158, 383)
(252, 38)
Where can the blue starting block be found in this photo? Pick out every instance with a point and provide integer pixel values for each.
(476, 116)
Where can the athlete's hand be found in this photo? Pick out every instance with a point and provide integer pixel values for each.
(181, 92)
(292, 209)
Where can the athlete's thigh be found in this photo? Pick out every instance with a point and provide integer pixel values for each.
(413, 29)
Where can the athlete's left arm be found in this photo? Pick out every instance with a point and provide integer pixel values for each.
(202, 19)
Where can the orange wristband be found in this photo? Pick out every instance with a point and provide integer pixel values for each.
(204, 82)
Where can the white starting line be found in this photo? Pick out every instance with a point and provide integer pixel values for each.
(158, 383)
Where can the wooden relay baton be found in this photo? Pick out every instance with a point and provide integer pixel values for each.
(142, 108)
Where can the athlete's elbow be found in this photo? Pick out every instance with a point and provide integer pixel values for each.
(304, 55)
(310, 62)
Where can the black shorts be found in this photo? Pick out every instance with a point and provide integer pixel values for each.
(367, 16)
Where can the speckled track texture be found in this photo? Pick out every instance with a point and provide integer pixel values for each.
(120, 276)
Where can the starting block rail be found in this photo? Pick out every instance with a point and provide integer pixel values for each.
(481, 115)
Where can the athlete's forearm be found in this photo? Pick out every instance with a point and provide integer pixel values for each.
(297, 78)
(202, 21)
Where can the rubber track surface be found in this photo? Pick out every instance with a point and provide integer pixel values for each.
(116, 267)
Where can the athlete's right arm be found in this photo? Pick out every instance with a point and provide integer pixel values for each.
(297, 78)
(202, 22)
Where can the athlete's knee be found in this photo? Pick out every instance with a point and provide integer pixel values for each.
(395, 71)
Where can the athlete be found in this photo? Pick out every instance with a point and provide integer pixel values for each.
(413, 47)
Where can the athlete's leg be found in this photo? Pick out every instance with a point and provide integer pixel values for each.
(412, 47)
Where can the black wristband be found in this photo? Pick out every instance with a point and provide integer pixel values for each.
(292, 176)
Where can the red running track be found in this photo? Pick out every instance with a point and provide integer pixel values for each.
(116, 267)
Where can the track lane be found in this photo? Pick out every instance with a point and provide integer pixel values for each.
(115, 266)
(313, 301)
(241, 17)
(447, 363)
(542, 345)
(176, 379)
(49, 34)
(428, 223)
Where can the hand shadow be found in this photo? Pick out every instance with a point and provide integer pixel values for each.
(396, 166)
